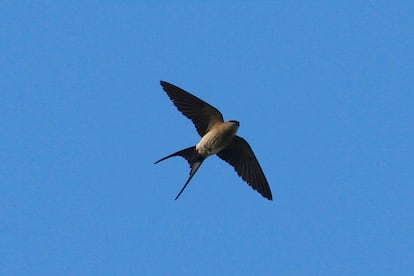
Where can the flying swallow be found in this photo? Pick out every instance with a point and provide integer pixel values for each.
(217, 137)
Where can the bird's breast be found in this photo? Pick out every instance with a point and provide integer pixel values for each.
(216, 140)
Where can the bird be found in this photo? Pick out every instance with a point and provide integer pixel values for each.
(217, 137)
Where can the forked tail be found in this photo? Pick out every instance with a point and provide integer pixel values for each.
(193, 158)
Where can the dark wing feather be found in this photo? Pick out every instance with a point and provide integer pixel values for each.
(240, 155)
(203, 115)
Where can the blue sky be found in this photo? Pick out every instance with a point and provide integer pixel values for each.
(323, 92)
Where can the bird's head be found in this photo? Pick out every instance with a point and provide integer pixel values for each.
(235, 122)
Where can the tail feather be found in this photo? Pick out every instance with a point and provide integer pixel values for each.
(187, 154)
(193, 158)
(194, 168)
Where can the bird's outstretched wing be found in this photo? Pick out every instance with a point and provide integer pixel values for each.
(240, 155)
(203, 115)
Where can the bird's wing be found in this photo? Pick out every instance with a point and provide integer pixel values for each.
(203, 115)
(240, 155)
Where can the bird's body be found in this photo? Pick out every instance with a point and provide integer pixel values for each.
(217, 137)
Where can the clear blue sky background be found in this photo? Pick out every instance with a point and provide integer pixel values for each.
(323, 91)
